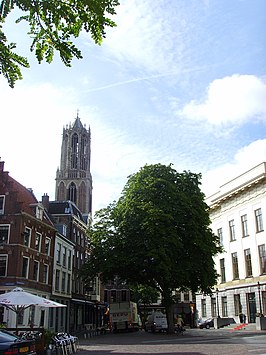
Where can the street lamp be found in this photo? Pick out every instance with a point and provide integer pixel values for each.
(217, 300)
(259, 299)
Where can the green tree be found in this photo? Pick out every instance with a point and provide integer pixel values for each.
(53, 24)
(157, 234)
(142, 294)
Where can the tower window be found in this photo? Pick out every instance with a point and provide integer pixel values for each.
(75, 151)
(72, 192)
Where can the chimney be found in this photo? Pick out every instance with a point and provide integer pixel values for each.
(45, 201)
(2, 164)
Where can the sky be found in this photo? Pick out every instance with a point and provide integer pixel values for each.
(177, 81)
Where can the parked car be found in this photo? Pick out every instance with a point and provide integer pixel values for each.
(207, 323)
(12, 344)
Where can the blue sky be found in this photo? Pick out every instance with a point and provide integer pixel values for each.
(177, 81)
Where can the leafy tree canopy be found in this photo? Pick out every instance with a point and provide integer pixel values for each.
(143, 294)
(157, 234)
(53, 24)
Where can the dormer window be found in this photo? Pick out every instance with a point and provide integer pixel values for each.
(2, 204)
(39, 212)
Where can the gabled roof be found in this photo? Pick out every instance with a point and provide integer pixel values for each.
(24, 198)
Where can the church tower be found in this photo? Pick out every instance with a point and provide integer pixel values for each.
(73, 179)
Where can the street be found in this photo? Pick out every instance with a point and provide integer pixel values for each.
(193, 342)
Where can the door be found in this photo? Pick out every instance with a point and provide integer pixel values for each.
(252, 310)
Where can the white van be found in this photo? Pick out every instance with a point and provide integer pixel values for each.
(156, 321)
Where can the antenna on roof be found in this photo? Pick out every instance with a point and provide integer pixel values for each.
(77, 113)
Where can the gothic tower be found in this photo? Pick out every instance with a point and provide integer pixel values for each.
(73, 179)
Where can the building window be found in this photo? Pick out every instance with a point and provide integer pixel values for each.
(25, 267)
(222, 270)
(113, 296)
(237, 305)
(45, 273)
(63, 288)
(69, 261)
(244, 224)
(36, 265)
(4, 234)
(213, 307)
(259, 222)
(72, 192)
(64, 256)
(232, 230)
(3, 265)
(248, 262)
(39, 212)
(262, 257)
(203, 308)
(58, 253)
(27, 235)
(123, 295)
(38, 238)
(68, 282)
(47, 245)
(2, 204)
(178, 296)
(224, 307)
(57, 280)
(235, 266)
(186, 296)
(220, 235)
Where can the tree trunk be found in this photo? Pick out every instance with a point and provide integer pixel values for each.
(169, 308)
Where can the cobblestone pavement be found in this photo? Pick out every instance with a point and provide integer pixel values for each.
(193, 342)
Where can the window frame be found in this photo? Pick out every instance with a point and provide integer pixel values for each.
(259, 220)
(2, 258)
(2, 204)
(38, 245)
(262, 258)
(203, 307)
(45, 276)
(235, 268)
(27, 234)
(57, 280)
(220, 236)
(5, 227)
(244, 225)
(224, 306)
(222, 270)
(58, 253)
(22, 269)
(47, 246)
(232, 231)
(248, 262)
(36, 272)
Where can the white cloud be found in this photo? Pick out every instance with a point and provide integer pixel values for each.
(245, 159)
(144, 36)
(231, 100)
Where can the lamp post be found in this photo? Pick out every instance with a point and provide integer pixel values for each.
(217, 300)
(259, 299)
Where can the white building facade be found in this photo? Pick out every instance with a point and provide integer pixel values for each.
(238, 218)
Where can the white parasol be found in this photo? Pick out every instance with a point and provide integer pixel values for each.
(17, 300)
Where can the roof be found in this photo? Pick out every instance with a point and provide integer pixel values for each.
(65, 208)
(78, 124)
(24, 198)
